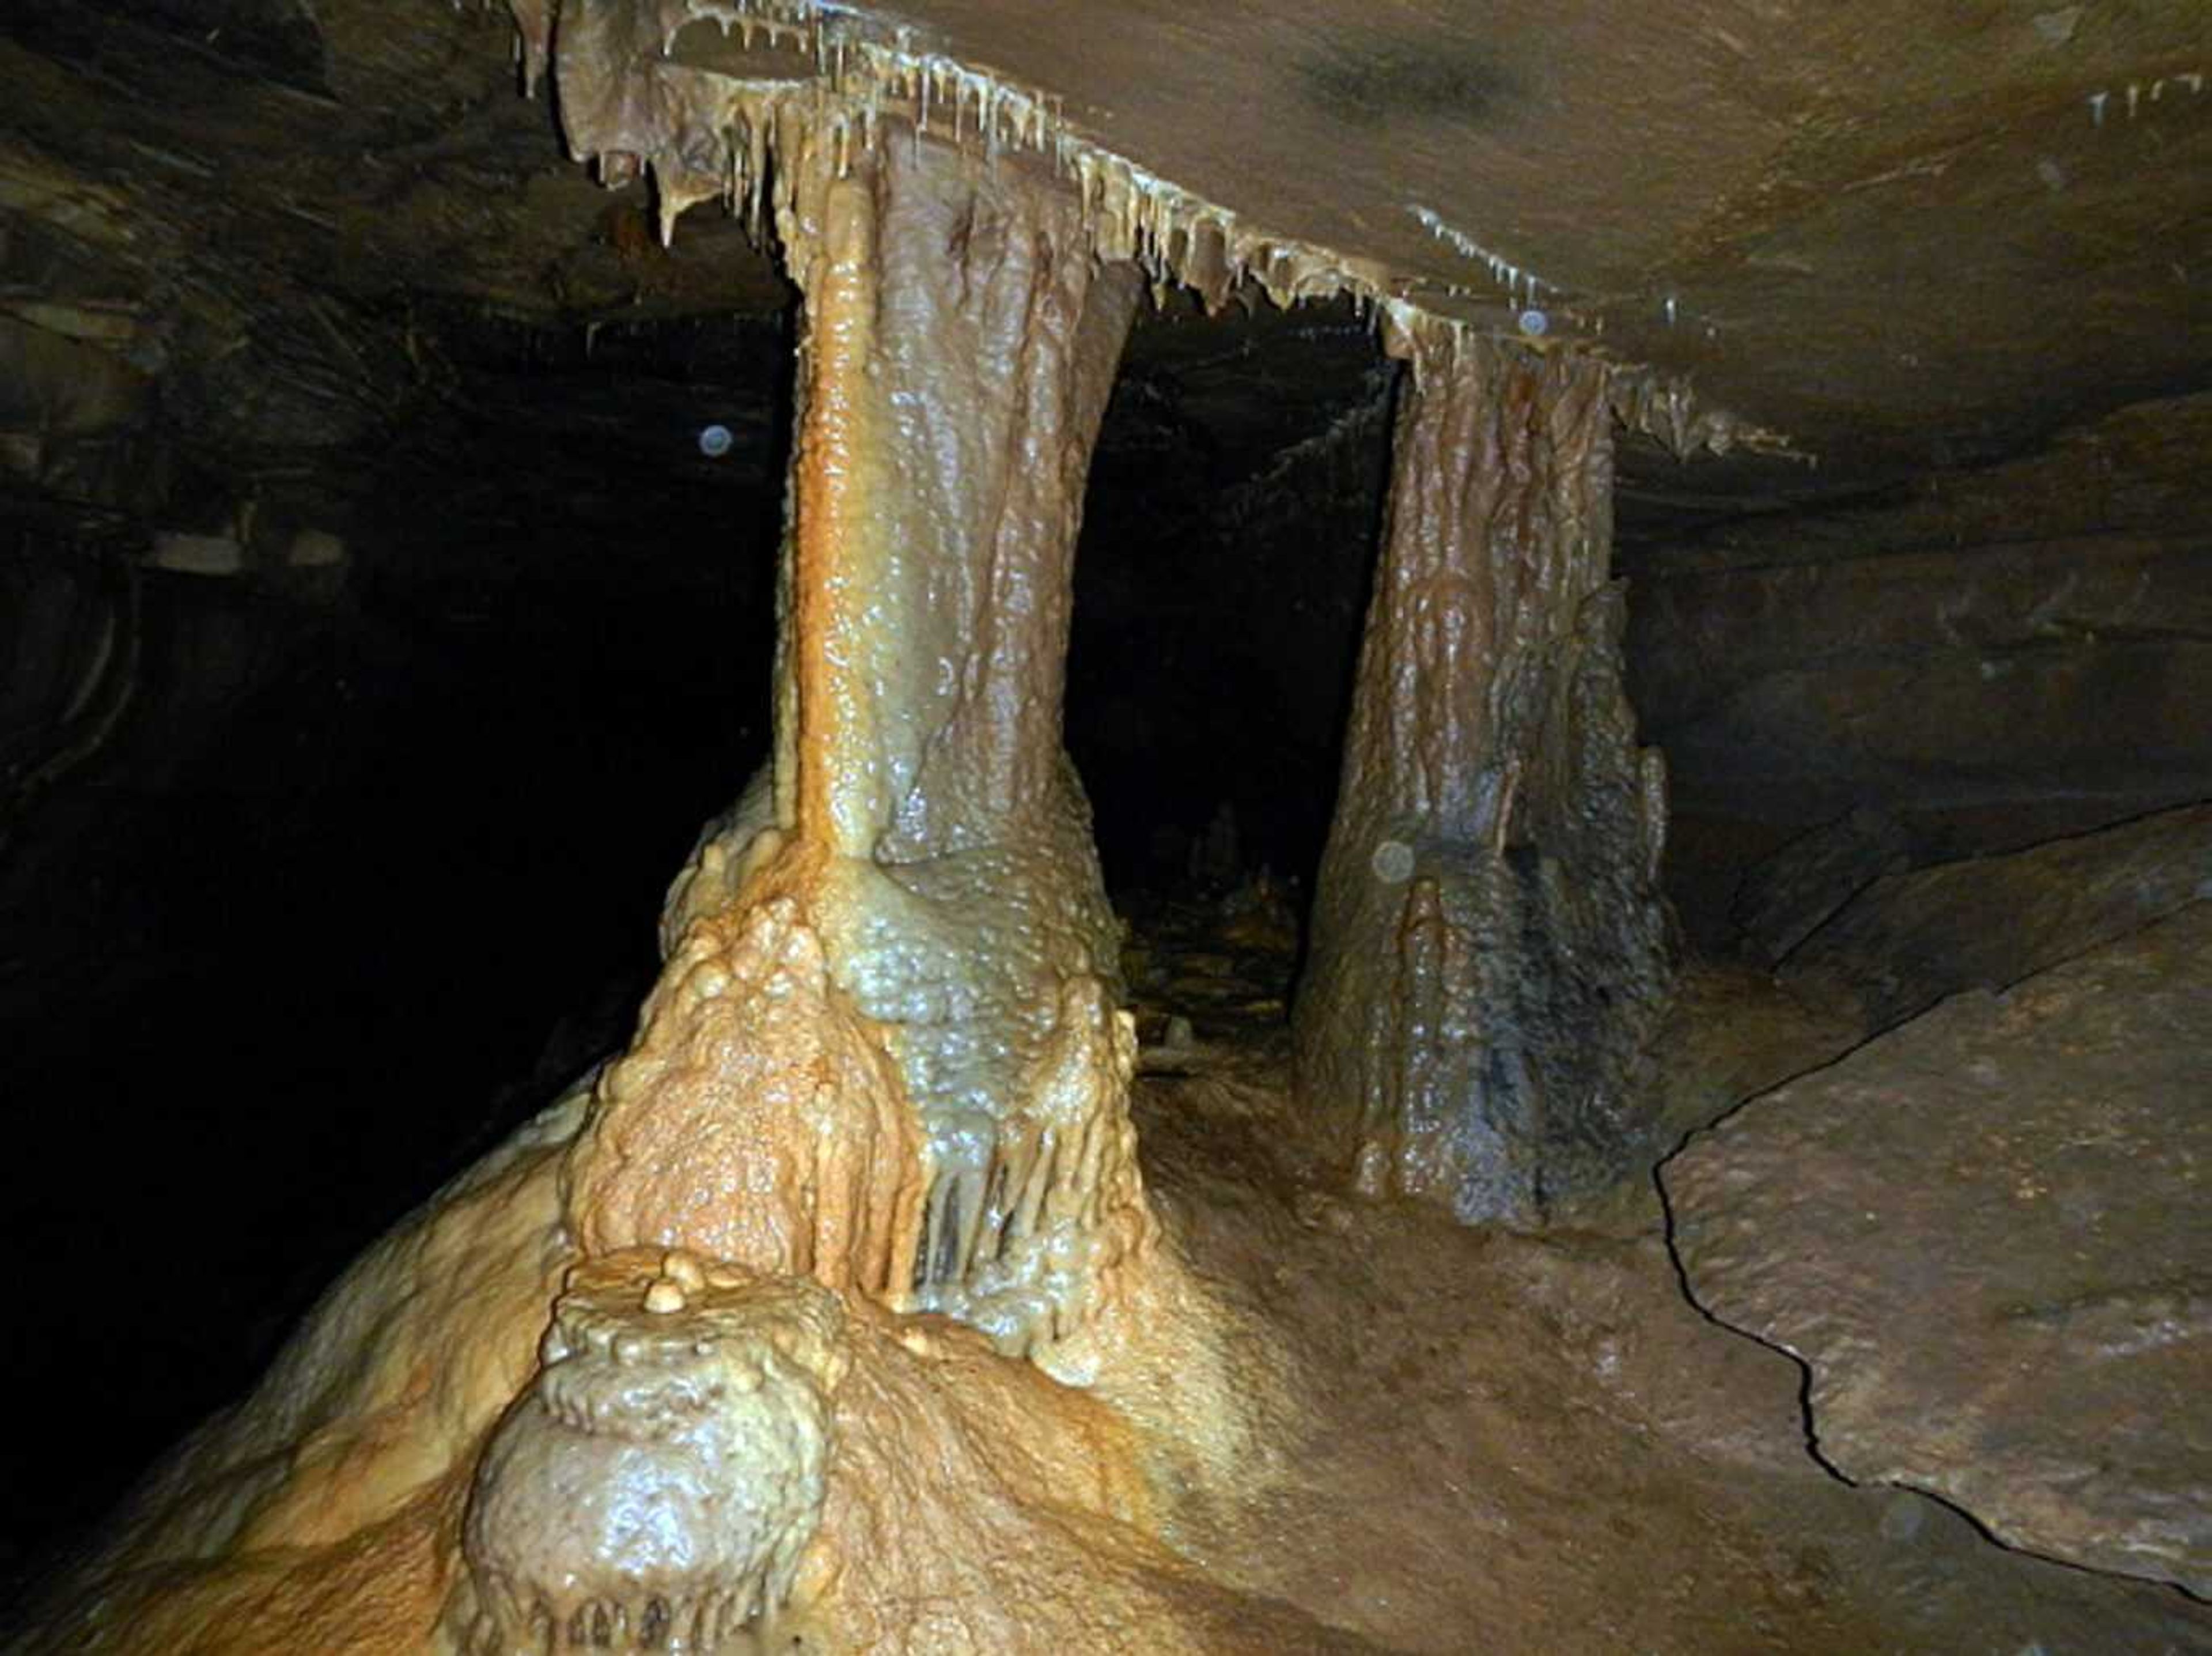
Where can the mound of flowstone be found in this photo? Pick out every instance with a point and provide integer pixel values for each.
(1989, 1234)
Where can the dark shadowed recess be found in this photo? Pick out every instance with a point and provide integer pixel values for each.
(301, 948)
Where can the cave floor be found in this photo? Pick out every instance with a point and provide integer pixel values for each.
(1499, 1441)
(1457, 1440)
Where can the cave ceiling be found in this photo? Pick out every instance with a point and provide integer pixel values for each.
(1900, 236)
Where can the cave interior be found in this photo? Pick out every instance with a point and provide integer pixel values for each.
(396, 471)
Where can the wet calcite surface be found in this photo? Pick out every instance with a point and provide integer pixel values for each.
(660, 1482)
(919, 846)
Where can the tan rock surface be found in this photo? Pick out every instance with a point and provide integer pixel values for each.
(1989, 1235)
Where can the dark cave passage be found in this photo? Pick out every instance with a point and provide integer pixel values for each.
(304, 943)
(1227, 548)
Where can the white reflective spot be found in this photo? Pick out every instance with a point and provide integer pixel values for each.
(714, 440)
(1393, 862)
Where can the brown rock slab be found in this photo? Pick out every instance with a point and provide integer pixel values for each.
(1787, 897)
(1910, 938)
(1989, 1235)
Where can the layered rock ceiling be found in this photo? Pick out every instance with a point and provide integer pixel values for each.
(1326, 658)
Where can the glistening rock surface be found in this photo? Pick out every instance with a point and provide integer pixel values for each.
(666, 1472)
(918, 831)
(1989, 1234)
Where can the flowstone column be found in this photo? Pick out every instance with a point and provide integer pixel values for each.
(1488, 951)
(886, 1048)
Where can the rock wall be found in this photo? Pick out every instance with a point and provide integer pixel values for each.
(1998, 655)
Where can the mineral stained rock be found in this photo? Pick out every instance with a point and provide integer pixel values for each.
(1989, 1234)
(1488, 947)
(920, 837)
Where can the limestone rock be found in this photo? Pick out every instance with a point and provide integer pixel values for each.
(1989, 1234)
(1909, 939)
(1786, 897)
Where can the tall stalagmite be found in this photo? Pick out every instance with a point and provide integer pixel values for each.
(883, 1070)
(908, 900)
(1488, 948)
(886, 1051)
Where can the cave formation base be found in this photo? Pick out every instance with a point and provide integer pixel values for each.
(1448, 1439)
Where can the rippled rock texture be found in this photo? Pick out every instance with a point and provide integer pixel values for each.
(1488, 945)
(1989, 1235)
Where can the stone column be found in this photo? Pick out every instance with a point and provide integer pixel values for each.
(1488, 952)
(886, 1048)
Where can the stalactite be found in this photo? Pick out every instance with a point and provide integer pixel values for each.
(1487, 948)
(707, 136)
(698, 131)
